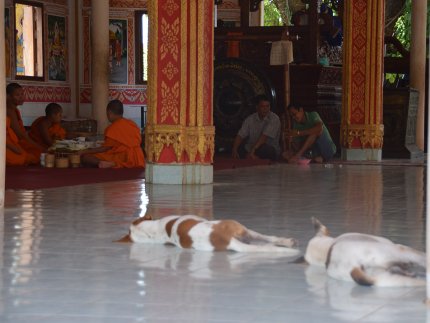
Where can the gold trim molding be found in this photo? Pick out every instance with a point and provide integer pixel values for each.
(370, 136)
(189, 140)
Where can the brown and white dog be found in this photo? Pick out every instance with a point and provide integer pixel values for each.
(190, 231)
(366, 259)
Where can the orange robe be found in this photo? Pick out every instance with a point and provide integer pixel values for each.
(27, 146)
(12, 158)
(124, 137)
(56, 132)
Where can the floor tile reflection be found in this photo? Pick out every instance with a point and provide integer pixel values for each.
(60, 262)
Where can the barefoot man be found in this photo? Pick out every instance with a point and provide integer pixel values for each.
(309, 137)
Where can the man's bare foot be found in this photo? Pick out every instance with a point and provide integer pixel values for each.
(106, 164)
(318, 159)
(293, 159)
(252, 156)
(287, 154)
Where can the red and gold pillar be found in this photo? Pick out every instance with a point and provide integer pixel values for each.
(3, 118)
(362, 127)
(179, 137)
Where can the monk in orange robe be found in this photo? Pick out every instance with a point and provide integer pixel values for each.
(15, 155)
(45, 130)
(121, 148)
(14, 98)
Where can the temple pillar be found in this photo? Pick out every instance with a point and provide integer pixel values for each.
(179, 136)
(418, 63)
(100, 62)
(362, 127)
(427, 207)
(75, 8)
(3, 104)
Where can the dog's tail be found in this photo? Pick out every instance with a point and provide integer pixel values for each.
(320, 229)
(360, 277)
(390, 277)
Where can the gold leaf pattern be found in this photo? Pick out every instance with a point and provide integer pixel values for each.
(370, 136)
(169, 39)
(170, 71)
(170, 6)
(189, 140)
(192, 144)
(169, 102)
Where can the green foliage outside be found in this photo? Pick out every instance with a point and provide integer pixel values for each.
(402, 29)
(276, 13)
(272, 17)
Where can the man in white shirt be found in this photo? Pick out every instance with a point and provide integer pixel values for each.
(259, 135)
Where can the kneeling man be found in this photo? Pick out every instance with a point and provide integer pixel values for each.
(259, 135)
(309, 136)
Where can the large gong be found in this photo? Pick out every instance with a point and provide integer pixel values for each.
(236, 84)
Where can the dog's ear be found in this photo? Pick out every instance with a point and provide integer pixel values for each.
(320, 229)
(126, 238)
(147, 217)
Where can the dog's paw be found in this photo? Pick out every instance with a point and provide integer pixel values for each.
(287, 242)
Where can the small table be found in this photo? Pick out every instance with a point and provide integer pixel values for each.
(65, 152)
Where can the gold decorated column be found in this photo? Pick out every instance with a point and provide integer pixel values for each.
(179, 137)
(3, 118)
(362, 125)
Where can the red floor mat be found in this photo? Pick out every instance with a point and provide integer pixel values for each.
(225, 162)
(38, 177)
(34, 177)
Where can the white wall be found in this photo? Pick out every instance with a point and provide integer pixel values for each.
(31, 111)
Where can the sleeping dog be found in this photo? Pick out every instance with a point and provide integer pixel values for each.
(366, 259)
(190, 231)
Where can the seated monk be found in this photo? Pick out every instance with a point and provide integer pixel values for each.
(15, 155)
(46, 129)
(14, 98)
(121, 148)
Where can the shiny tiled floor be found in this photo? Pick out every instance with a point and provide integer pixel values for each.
(59, 263)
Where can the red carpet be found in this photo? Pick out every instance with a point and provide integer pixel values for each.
(37, 177)
(34, 177)
(226, 162)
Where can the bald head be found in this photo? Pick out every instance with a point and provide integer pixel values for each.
(52, 109)
(115, 107)
(10, 88)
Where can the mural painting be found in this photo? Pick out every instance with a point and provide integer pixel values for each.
(57, 48)
(19, 43)
(7, 40)
(118, 51)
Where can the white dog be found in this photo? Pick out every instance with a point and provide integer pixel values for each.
(190, 231)
(366, 259)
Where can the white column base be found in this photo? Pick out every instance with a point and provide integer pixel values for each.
(178, 173)
(362, 154)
